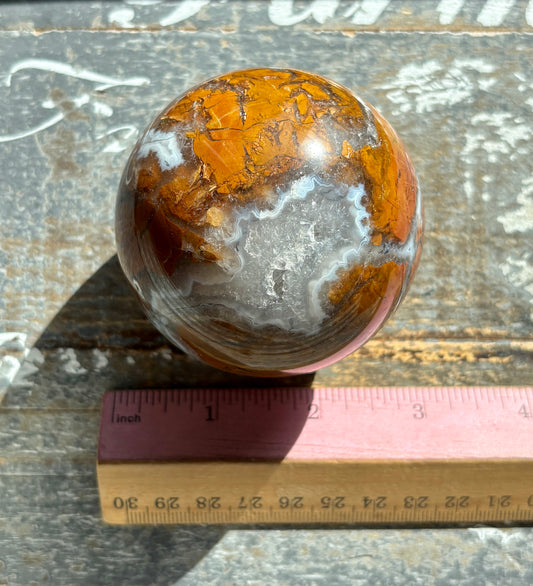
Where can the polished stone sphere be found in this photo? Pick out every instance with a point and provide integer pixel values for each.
(269, 221)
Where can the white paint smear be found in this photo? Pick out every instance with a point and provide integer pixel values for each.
(508, 134)
(519, 271)
(34, 130)
(100, 108)
(100, 359)
(27, 368)
(142, 2)
(122, 141)
(367, 12)
(13, 341)
(529, 13)
(284, 13)
(430, 85)
(9, 366)
(70, 361)
(448, 10)
(494, 12)
(104, 81)
(78, 102)
(492, 534)
(521, 219)
(122, 17)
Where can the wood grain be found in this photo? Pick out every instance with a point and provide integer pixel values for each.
(473, 282)
(336, 494)
(483, 16)
(457, 88)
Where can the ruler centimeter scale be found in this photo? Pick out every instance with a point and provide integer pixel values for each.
(315, 455)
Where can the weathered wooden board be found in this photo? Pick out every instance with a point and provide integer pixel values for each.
(224, 16)
(464, 116)
(78, 82)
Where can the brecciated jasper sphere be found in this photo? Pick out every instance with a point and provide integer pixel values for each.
(269, 221)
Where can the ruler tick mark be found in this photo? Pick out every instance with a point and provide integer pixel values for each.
(528, 403)
(113, 408)
(487, 415)
(500, 396)
(475, 394)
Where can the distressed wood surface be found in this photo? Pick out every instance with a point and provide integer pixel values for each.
(78, 82)
(224, 16)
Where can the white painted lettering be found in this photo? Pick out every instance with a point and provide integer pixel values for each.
(282, 12)
(494, 12)
(367, 12)
(448, 10)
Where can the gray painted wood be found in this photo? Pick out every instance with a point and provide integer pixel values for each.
(192, 15)
(70, 328)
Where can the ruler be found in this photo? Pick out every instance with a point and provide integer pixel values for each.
(372, 456)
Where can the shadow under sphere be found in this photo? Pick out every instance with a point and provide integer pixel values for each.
(103, 318)
(104, 314)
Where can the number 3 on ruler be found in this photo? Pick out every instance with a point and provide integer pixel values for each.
(418, 411)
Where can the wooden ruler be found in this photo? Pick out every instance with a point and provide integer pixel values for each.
(303, 455)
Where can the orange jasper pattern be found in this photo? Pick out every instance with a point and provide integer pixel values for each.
(269, 220)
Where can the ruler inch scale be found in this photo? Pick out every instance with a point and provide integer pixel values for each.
(363, 455)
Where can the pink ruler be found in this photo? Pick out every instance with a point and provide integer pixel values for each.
(355, 424)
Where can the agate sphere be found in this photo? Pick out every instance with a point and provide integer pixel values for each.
(270, 221)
